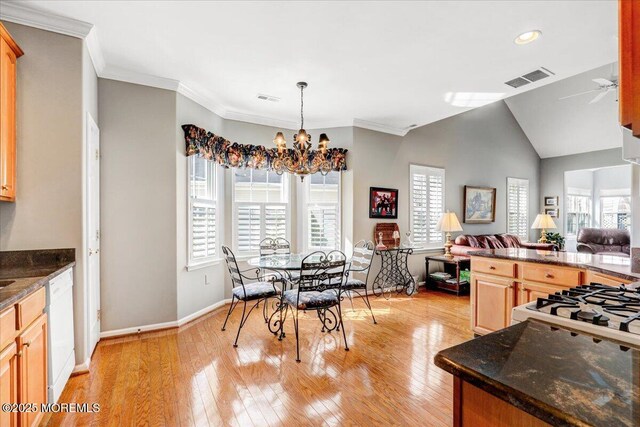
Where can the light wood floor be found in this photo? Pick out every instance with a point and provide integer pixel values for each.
(193, 376)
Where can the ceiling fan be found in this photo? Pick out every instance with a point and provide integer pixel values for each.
(605, 86)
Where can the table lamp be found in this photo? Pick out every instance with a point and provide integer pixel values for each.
(543, 221)
(448, 223)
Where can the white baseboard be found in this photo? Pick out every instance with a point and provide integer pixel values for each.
(164, 325)
(82, 367)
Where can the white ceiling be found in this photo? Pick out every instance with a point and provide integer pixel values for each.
(561, 127)
(386, 65)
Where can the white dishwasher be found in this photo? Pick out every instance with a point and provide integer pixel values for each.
(61, 355)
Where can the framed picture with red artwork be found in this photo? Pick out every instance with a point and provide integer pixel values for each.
(383, 203)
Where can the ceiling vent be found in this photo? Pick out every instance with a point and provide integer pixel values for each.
(517, 82)
(268, 98)
(534, 76)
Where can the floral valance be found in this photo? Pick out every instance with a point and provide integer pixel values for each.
(205, 144)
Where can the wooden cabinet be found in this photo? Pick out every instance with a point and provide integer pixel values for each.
(9, 383)
(492, 301)
(23, 358)
(32, 369)
(9, 54)
(498, 285)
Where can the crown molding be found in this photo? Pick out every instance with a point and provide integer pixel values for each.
(204, 100)
(26, 15)
(20, 13)
(378, 127)
(115, 73)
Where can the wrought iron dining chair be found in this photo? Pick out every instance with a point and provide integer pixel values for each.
(259, 290)
(276, 246)
(321, 277)
(360, 267)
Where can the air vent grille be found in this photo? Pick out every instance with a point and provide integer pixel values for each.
(534, 76)
(264, 97)
(517, 82)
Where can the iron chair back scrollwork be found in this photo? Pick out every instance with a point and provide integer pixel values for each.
(257, 291)
(320, 280)
(274, 247)
(277, 246)
(358, 274)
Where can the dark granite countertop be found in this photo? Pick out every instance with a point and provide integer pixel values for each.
(612, 265)
(30, 270)
(559, 376)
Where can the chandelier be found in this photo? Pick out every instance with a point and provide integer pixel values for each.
(302, 160)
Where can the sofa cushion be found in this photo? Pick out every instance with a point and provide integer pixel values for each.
(510, 241)
(494, 242)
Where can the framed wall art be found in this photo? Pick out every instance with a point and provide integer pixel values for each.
(383, 203)
(551, 201)
(479, 205)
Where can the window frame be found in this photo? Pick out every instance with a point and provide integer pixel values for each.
(575, 193)
(602, 213)
(214, 184)
(524, 238)
(442, 172)
(235, 204)
(305, 191)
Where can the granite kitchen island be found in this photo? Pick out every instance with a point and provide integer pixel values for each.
(536, 374)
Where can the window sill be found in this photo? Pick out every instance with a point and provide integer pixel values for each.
(201, 265)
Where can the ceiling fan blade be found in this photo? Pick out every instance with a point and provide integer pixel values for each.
(603, 82)
(581, 93)
(599, 97)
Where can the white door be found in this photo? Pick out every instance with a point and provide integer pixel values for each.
(93, 230)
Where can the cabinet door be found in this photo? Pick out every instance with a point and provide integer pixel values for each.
(33, 368)
(528, 292)
(9, 384)
(492, 299)
(7, 122)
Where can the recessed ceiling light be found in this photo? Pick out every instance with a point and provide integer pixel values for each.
(528, 37)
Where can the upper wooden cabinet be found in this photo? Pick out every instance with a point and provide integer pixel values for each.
(9, 53)
(629, 64)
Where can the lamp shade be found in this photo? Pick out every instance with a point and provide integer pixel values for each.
(449, 222)
(543, 221)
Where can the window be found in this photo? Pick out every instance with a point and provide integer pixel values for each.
(261, 208)
(426, 205)
(322, 212)
(518, 207)
(202, 210)
(615, 212)
(578, 211)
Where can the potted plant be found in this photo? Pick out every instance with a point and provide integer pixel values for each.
(555, 238)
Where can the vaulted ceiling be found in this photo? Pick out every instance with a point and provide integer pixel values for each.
(381, 65)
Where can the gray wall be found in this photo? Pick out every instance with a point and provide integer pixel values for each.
(552, 173)
(138, 204)
(481, 147)
(200, 288)
(48, 209)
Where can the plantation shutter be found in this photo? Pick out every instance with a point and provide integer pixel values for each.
(203, 230)
(518, 207)
(248, 223)
(275, 220)
(427, 204)
(324, 231)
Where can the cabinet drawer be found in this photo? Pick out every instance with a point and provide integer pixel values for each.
(30, 308)
(549, 274)
(493, 266)
(604, 279)
(8, 329)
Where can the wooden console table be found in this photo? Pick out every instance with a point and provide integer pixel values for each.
(459, 262)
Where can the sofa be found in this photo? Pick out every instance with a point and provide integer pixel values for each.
(466, 243)
(604, 241)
